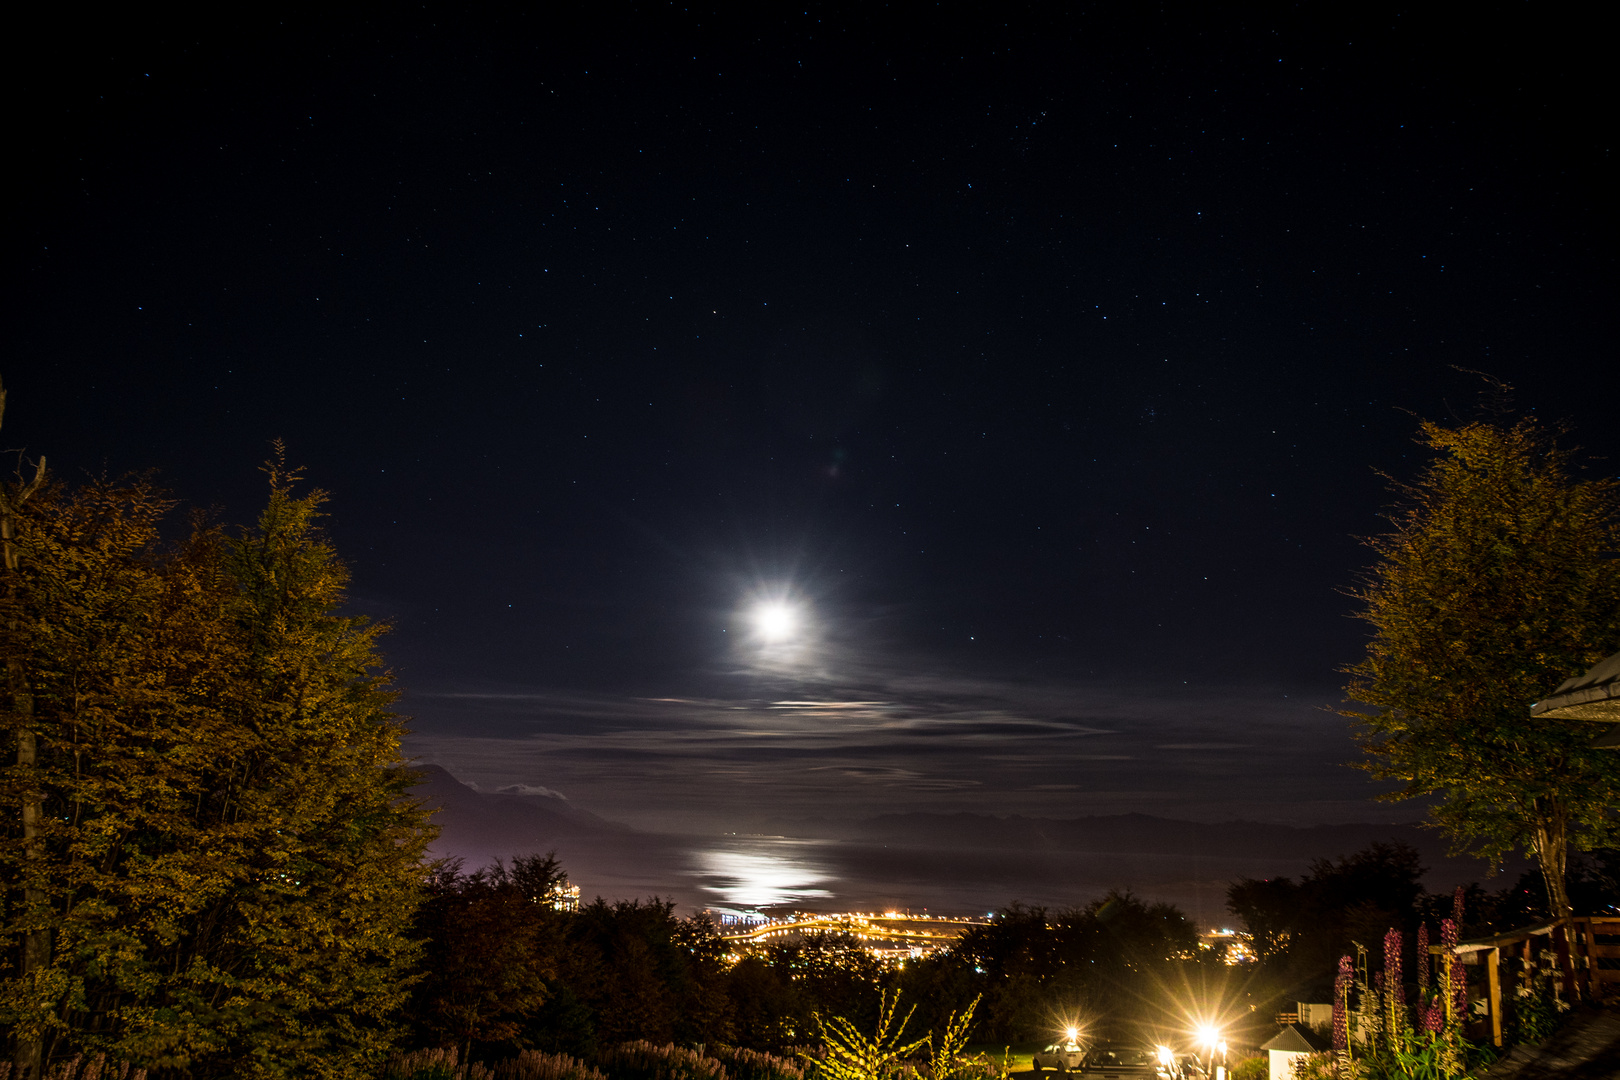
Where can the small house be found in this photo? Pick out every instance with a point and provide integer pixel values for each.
(1290, 1046)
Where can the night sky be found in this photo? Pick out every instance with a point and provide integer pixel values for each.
(1044, 360)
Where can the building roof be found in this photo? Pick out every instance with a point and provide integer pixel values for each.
(1295, 1040)
(1593, 696)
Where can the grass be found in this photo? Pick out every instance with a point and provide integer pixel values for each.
(1020, 1053)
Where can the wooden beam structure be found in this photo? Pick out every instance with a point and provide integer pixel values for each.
(1586, 952)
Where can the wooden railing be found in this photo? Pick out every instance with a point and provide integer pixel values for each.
(1586, 954)
(1597, 954)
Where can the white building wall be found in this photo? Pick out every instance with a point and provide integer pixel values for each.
(1282, 1063)
(1314, 1015)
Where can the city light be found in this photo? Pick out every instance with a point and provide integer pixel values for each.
(888, 936)
(1233, 947)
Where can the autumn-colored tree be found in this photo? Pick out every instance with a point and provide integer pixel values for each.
(225, 863)
(302, 957)
(1490, 590)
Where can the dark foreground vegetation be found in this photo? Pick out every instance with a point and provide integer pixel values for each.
(210, 867)
(506, 986)
(209, 862)
(1299, 929)
(508, 974)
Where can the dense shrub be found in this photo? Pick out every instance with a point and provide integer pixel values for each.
(639, 1060)
(439, 1064)
(1254, 1068)
(424, 1065)
(533, 1065)
(744, 1064)
(642, 1060)
(1322, 1066)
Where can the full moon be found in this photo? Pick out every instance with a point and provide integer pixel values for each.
(775, 622)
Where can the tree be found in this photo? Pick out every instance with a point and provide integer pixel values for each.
(74, 586)
(1039, 970)
(493, 943)
(35, 940)
(645, 974)
(226, 865)
(1270, 910)
(1299, 929)
(1489, 591)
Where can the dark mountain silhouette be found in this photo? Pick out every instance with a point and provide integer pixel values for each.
(477, 826)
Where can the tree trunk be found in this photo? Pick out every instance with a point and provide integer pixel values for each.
(1552, 855)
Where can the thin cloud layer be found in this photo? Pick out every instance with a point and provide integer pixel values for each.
(901, 744)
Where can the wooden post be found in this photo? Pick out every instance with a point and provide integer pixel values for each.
(1493, 983)
(1586, 966)
(1566, 966)
(1579, 946)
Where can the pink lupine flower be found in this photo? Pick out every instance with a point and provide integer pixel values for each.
(1423, 960)
(1341, 1003)
(1392, 980)
(1450, 965)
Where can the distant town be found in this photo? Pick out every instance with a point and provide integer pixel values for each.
(897, 936)
(889, 935)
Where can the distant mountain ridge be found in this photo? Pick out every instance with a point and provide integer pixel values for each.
(472, 820)
(959, 860)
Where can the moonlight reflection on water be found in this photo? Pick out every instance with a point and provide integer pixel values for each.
(758, 874)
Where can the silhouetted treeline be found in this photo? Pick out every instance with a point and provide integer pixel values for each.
(503, 972)
(502, 968)
(1301, 928)
(1116, 960)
